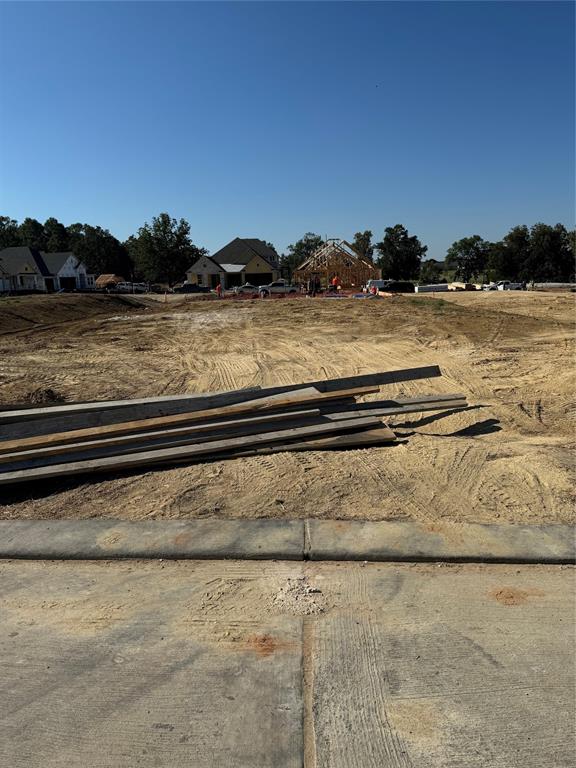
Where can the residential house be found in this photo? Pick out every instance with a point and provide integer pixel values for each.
(68, 272)
(22, 269)
(243, 260)
(27, 269)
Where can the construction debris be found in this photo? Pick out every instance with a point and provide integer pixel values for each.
(82, 438)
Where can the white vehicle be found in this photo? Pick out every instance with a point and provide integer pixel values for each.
(246, 288)
(129, 288)
(506, 285)
(380, 285)
(277, 287)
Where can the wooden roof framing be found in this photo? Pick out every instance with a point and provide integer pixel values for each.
(337, 257)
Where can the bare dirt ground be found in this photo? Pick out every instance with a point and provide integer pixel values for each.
(508, 459)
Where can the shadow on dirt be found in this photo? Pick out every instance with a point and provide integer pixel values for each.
(41, 489)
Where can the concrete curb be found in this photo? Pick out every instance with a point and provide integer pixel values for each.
(392, 541)
(387, 541)
(105, 539)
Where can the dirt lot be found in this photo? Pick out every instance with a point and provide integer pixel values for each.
(508, 459)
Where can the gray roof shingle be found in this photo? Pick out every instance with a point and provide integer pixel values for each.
(13, 260)
(241, 250)
(55, 261)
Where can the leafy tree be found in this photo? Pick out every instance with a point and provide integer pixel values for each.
(400, 254)
(56, 236)
(431, 271)
(99, 250)
(9, 232)
(551, 254)
(162, 251)
(362, 243)
(468, 257)
(299, 252)
(32, 234)
(505, 258)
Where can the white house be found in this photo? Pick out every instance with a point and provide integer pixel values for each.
(68, 272)
(243, 260)
(26, 269)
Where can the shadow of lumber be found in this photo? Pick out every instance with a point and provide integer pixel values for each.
(435, 417)
(485, 427)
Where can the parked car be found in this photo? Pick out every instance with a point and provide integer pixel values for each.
(507, 285)
(277, 287)
(379, 285)
(190, 288)
(393, 286)
(246, 288)
(432, 288)
(400, 286)
(128, 288)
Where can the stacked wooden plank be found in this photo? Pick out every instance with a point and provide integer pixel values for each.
(82, 438)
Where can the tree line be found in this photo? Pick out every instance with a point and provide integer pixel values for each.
(162, 250)
(541, 253)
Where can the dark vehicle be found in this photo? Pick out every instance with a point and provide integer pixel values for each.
(399, 286)
(190, 288)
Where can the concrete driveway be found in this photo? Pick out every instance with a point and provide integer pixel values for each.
(285, 664)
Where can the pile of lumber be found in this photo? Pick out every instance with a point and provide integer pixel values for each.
(108, 436)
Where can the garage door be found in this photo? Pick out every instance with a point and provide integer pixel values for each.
(259, 278)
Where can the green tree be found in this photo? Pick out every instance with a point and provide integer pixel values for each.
(56, 236)
(400, 254)
(99, 250)
(551, 254)
(506, 257)
(298, 253)
(32, 234)
(162, 251)
(432, 271)
(9, 233)
(468, 257)
(362, 243)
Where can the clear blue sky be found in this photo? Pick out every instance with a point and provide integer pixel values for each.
(272, 119)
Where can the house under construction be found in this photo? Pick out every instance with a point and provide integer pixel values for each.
(337, 258)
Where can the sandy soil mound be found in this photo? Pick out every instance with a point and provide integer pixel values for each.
(19, 313)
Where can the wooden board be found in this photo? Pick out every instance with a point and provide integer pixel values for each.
(192, 433)
(368, 379)
(275, 402)
(182, 453)
(398, 410)
(145, 441)
(10, 430)
(377, 436)
(102, 417)
(10, 414)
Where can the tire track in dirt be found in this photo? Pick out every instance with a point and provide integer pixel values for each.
(451, 467)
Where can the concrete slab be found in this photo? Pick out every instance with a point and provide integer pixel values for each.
(146, 664)
(250, 664)
(461, 666)
(397, 541)
(197, 539)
